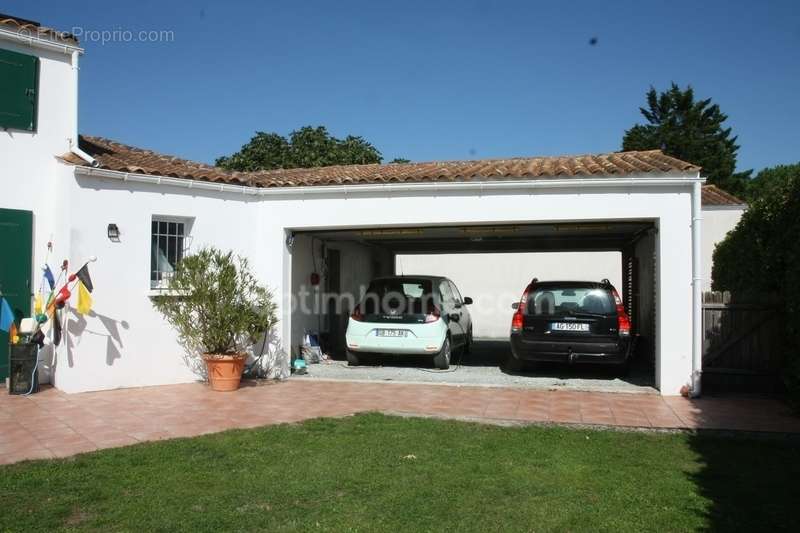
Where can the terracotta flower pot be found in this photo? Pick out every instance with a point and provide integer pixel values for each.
(224, 371)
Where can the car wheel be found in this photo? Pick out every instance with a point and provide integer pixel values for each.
(352, 359)
(511, 363)
(442, 359)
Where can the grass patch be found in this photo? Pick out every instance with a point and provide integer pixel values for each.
(373, 472)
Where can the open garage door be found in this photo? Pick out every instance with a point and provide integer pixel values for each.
(331, 270)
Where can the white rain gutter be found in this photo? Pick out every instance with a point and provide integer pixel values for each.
(38, 42)
(697, 279)
(74, 141)
(326, 190)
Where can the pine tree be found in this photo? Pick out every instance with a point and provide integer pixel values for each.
(692, 131)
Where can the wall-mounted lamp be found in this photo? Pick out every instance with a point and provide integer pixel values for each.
(113, 233)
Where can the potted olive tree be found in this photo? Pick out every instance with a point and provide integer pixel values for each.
(218, 309)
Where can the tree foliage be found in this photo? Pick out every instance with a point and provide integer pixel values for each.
(305, 148)
(771, 181)
(689, 130)
(217, 305)
(762, 254)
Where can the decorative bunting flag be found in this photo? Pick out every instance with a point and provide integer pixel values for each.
(38, 304)
(48, 275)
(56, 327)
(86, 279)
(6, 315)
(63, 295)
(84, 299)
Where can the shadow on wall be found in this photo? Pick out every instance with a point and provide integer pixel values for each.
(77, 327)
(268, 358)
(750, 484)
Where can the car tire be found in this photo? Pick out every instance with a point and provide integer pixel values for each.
(352, 359)
(511, 364)
(442, 359)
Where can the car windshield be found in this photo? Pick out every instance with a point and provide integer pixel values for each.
(398, 296)
(563, 301)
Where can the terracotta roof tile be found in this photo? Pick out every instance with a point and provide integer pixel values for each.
(30, 28)
(112, 155)
(713, 195)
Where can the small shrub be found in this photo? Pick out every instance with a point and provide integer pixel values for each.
(216, 304)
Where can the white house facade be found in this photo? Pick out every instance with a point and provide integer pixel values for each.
(138, 212)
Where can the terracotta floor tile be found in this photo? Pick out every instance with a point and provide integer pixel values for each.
(53, 423)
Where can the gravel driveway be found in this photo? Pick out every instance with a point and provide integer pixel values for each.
(481, 368)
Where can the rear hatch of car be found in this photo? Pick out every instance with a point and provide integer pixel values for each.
(570, 313)
(398, 301)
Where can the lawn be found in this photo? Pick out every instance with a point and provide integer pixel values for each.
(374, 472)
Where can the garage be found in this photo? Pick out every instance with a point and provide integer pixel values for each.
(492, 264)
(338, 237)
(317, 236)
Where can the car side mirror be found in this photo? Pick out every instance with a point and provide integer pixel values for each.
(467, 300)
(515, 306)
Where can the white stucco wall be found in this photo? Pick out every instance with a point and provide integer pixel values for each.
(717, 222)
(28, 166)
(495, 280)
(126, 343)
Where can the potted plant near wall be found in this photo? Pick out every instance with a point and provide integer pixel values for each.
(219, 309)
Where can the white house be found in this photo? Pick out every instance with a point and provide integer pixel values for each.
(138, 212)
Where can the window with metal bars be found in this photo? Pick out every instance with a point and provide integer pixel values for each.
(166, 250)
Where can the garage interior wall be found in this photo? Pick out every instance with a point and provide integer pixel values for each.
(495, 280)
(313, 303)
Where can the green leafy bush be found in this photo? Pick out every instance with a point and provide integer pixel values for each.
(762, 254)
(216, 304)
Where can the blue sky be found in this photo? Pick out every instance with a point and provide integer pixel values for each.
(431, 80)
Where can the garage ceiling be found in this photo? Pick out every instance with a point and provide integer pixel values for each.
(568, 236)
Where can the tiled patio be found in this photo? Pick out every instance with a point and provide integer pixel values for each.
(54, 424)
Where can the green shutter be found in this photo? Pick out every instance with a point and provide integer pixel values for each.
(18, 90)
(16, 265)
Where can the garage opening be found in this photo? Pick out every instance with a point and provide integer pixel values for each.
(492, 264)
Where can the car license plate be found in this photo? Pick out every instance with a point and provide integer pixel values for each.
(569, 326)
(391, 332)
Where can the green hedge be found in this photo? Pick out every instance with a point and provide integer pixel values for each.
(762, 254)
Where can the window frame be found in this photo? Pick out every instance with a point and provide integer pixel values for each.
(158, 281)
(456, 293)
(446, 292)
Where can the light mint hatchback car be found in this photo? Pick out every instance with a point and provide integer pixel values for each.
(410, 315)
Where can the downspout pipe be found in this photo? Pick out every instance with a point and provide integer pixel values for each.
(73, 142)
(697, 294)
